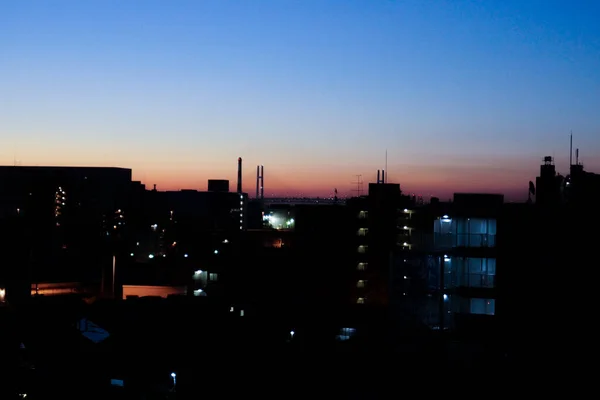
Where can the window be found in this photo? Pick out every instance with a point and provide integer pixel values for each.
(346, 333)
(213, 276)
(444, 230)
(479, 272)
(363, 231)
(476, 232)
(361, 283)
(363, 215)
(360, 300)
(362, 249)
(362, 266)
(482, 306)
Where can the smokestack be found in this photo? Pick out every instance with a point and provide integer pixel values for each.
(239, 181)
(262, 182)
(378, 172)
(257, 180)
(383, 176)
(577, 156)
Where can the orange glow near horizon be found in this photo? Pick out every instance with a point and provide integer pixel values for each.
(426, 181)
(311, 175)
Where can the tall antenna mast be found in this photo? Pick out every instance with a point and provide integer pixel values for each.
(386, 169)
(571, 150)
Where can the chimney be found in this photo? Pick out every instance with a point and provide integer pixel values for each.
(262, 182)
(378, 172)
(383, 176)
(239, 181)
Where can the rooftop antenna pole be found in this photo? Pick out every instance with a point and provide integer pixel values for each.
(257, 181)
(571, 150)
(262, 182)
(386, 168)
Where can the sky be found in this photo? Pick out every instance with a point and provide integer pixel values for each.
(465, 96)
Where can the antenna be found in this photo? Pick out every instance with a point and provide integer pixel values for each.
(571, 150)
(359, 184)
(257, 181)
(262, 182)
(384, 178)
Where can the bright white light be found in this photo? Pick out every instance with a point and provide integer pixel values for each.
(406, 210)
(225, 241)
(216, 251)
(198, 272)
(445, 217)
(292, 333)
(185, 255)
(406, 227)
(405, 244)
(150, 255)
(173, 374)
(445, 297)
(131, 254)
(405, 277)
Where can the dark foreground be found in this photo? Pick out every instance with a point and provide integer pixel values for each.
(160, 349)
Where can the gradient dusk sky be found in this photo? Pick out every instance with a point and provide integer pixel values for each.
(464, 95)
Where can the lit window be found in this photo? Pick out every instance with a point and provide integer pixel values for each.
(360, 300)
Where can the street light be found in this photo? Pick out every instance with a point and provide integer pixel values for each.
(174, 376)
